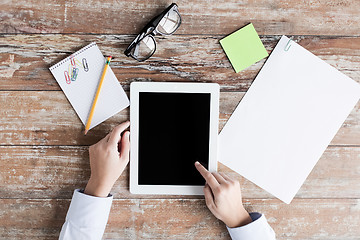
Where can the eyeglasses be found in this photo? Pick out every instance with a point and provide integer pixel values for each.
(144, 45)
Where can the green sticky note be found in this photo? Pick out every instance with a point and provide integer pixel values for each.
(243, 47)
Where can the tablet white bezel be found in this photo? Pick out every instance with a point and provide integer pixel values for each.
(135, 89)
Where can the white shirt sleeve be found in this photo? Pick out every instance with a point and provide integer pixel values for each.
(258, 229)
(86, 218)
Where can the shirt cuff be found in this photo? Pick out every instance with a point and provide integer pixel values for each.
(257, 229)
(88, 211)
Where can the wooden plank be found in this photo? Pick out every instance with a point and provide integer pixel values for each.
(336, 17)
(329, 219)
(25, 59)
(54, 172)
(47, 118)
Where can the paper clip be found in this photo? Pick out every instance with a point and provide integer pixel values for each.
(288, 45)
(72, 61)
(67, 77)
(85, 64)
(74, 74)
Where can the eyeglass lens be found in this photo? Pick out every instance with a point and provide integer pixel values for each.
(144, 49)
(169, 23)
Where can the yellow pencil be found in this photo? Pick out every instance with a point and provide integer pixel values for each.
(97, 95)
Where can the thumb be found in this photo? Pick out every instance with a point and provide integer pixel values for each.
(115, 135)
(125, 147)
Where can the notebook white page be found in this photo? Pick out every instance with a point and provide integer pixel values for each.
(286, 120)
(81, 92)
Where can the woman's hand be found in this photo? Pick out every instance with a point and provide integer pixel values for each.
(223, 198)
(108, 159)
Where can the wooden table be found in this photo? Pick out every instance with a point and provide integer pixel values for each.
(44, 153)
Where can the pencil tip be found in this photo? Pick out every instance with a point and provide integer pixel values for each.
(86, 131)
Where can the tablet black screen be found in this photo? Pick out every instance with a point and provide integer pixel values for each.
(173, 134)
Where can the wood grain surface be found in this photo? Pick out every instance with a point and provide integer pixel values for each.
(44, 155)
(47, 118)
(184, 219)
(54, 171)
(318, 17)
(26, 58)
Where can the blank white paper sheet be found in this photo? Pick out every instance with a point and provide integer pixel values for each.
(79, 75)
(286, 120)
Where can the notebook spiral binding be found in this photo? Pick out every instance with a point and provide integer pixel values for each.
(73, 55)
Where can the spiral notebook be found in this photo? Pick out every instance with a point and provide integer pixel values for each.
(286, 120)
(78, 76)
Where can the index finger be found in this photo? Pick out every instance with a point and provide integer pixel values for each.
(210, 179)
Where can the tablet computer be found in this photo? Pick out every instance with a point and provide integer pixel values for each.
(172, 125)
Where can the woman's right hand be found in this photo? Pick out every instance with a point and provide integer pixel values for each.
(223, 198)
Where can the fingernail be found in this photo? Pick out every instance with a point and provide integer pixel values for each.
(197, 163)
